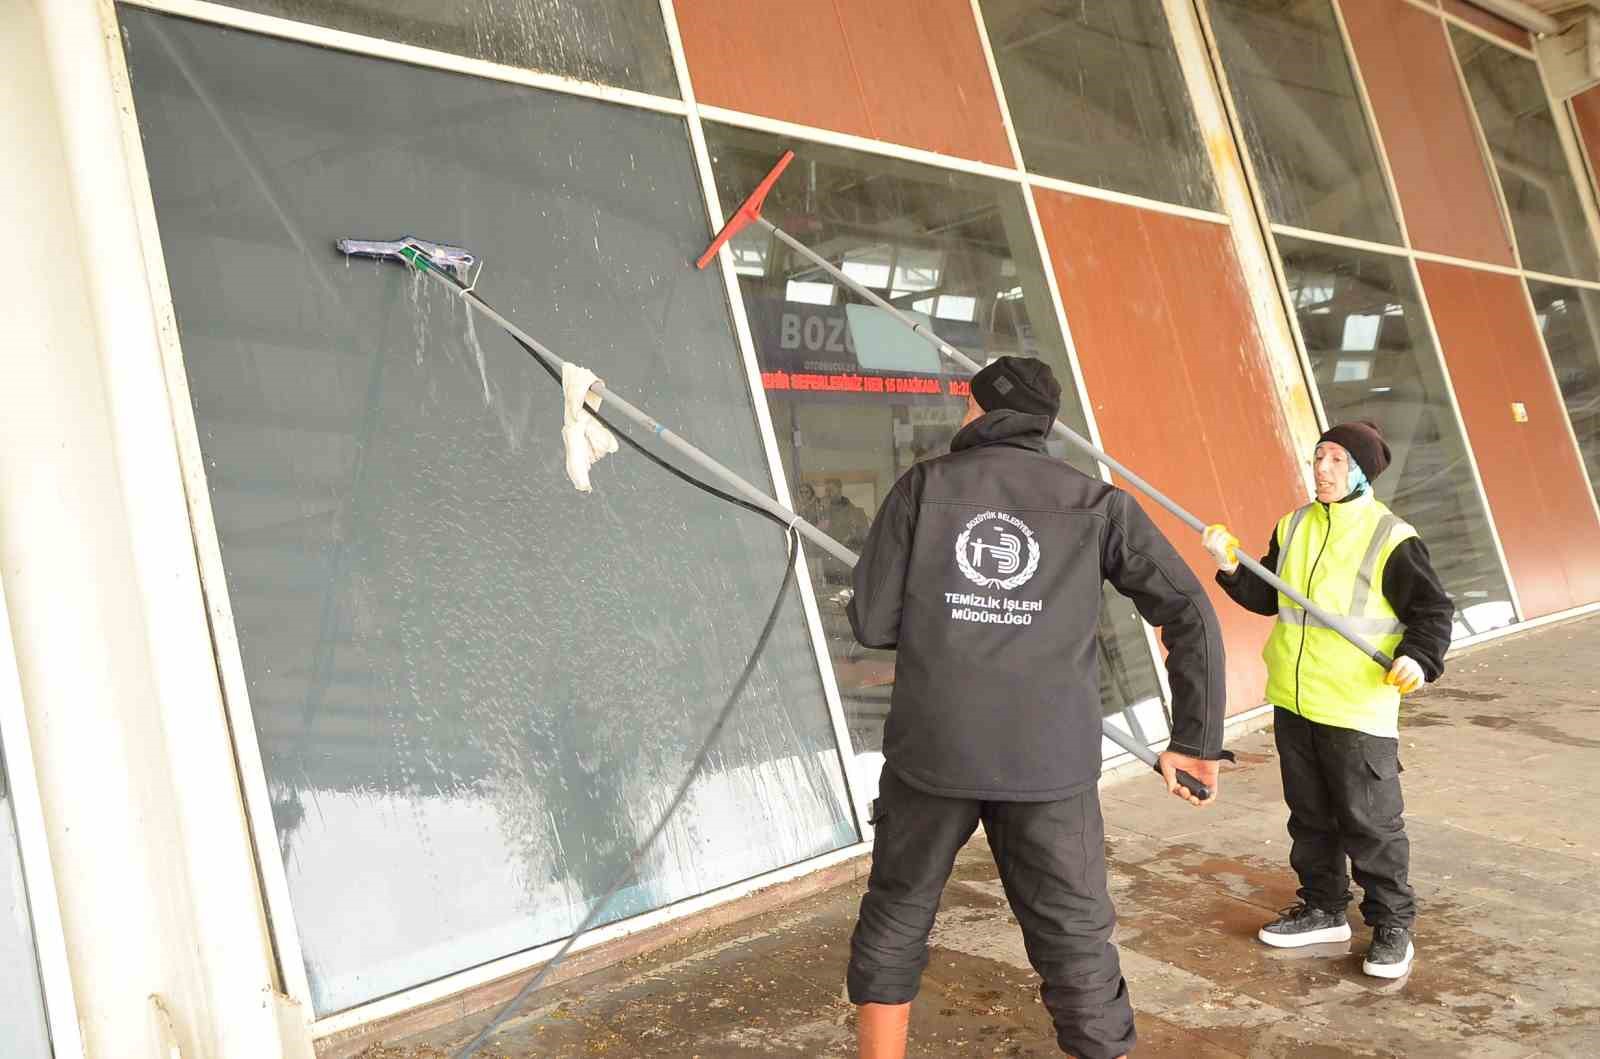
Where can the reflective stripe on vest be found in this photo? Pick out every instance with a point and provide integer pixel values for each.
(1335, 555)
(1293, 615)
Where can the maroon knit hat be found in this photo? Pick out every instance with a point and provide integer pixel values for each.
(1364, 442)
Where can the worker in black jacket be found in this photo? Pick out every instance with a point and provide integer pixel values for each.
(1336, 720)
(984, 568)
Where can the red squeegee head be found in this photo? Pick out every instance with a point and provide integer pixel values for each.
(747, 212)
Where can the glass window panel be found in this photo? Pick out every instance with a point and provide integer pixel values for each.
(474, 688)
(1569, 317)
(1097, 97)
(1546, 213)
(610, 42)
(1303, 121)
(23, 1033)
(1402, 388)
(856, 398)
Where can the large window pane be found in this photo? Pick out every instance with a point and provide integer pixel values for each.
(856, 398)
(1546, 213)
(1570, 320)
(23, 1034)
(1302, 116)
(475, 689)
(1374, 359)
(613, 42)
(1097, 97)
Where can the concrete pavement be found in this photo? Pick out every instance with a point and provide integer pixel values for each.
(1501, 759)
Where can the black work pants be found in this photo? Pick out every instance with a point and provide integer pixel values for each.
(1343, 790)
(1051, 857)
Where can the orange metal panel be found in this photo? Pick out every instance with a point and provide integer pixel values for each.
(1586, 109)
(1179, 382)
(908, 71)
(1443, 179)
(1508, 31)
(1531, 472)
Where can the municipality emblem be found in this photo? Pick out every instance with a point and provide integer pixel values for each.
(990, 551)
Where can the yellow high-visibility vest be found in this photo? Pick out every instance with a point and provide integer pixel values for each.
(1335, 554)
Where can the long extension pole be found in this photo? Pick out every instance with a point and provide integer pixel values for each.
(749, 212)
(422, 255)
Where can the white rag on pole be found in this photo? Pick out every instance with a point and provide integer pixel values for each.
(584, 436)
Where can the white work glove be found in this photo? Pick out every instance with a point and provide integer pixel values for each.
(1405, 674)
(584, 436)
(1223, 546)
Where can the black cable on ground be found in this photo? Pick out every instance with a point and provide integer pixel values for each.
(695, 767)
(698, 764)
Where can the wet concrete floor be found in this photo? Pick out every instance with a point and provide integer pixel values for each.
(1501, 762)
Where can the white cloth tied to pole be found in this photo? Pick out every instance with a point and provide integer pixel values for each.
(584, 436)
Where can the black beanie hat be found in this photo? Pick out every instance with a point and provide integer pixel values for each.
(1024, 384)
(1364, 442)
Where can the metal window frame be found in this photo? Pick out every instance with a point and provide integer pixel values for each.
(1370, 115)
(1561, 116)
(716, 215)
(38, 872)
(284, 931)
(1270, 229)
(1070, 347)
(1204, 36)
(1269, 296)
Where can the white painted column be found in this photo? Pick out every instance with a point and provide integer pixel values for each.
(159, 899)
(1298, 402)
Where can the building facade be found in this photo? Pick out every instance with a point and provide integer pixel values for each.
(325, 701)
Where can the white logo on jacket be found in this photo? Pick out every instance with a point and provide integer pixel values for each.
(988, 543)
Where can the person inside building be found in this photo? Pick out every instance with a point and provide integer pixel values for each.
(807, 506)
(841, 518)
(984, 567)
(1336, 711)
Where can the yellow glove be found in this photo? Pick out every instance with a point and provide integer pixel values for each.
(1223, 546)
(1405, 674)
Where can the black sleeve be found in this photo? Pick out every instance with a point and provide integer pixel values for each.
(1247, 589)
(879, 579)
(1414, 591)
(1142, 565)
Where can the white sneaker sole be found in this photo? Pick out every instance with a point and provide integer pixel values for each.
(1310, 937)
(1390, 970)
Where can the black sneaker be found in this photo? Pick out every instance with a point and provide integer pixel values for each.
(1390, 953)
(1304, 925)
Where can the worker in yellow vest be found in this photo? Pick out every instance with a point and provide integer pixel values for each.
(1336, 713)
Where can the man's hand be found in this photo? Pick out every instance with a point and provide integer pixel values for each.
(1405, 674)
(1223, 546)
(1204, 771)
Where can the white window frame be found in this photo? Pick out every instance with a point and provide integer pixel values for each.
(274, 881)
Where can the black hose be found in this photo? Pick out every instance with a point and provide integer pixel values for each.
(695, 767)
(698, 764)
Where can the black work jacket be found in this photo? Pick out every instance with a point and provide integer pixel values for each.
(984, 568)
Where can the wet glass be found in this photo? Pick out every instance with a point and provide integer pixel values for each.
(1097, 97)
(23, 1032)
(611, 42)
(1374, 359)
(856, 398)
(1546, 213)
(1569, 318)
(1303, 121)
(474, 688)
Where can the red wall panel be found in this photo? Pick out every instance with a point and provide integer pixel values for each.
(1442, 176)
(1536, 485)
(1508, 31)
(1179, 382)
(908, 71)
(1586, 108)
